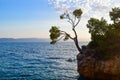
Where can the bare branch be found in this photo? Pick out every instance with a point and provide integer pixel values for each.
(70, 20)
(74, 19)
(60, 38)
(68, 35)
(77, 22)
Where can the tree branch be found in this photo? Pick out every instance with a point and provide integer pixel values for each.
(68, 35)
(74, 19)
(77, 22)
(60, 38)
(70, 20)
(76, 41)
(74, 32)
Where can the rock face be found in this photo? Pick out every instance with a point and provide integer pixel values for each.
(92, 69)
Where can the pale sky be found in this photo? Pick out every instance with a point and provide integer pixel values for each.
(34, 18)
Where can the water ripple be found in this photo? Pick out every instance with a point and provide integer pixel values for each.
(37, 61)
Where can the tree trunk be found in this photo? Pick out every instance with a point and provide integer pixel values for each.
(76, 41)
(77, 45)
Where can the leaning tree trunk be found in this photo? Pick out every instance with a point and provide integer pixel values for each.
(76, 41)
(77, 45)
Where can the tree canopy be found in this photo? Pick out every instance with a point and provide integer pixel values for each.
(56, 35)
(115, 14)
(105, 37)
(73, 18)
(97, 27)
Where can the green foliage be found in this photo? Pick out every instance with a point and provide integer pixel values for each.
(115, 14)
(66, 37)
(105, 37)
(62, 16)
(77, 13)
(73, 18)
(65, 16)
(97, 28)
(54, 34)
(53, 42)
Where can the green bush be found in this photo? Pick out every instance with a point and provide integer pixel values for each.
(105, 37)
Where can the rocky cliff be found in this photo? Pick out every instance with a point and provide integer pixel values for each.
(94, 69)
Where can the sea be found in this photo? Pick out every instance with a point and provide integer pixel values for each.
(38, 61)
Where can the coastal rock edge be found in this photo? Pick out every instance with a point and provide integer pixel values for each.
(92, 69)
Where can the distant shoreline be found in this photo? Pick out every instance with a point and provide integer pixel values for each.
(30, 40)
(24, 40)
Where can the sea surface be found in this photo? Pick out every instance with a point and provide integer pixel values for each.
(38, 61)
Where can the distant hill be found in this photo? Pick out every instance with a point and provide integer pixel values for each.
(24, 40)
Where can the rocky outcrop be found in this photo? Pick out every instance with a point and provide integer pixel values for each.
(92, 69)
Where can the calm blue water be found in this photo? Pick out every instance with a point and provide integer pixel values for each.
(37, 60)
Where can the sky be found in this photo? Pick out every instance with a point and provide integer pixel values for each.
(34, 18)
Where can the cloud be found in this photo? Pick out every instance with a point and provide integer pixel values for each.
(91, 8)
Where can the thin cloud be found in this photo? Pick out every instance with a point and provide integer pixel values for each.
(91, 8)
